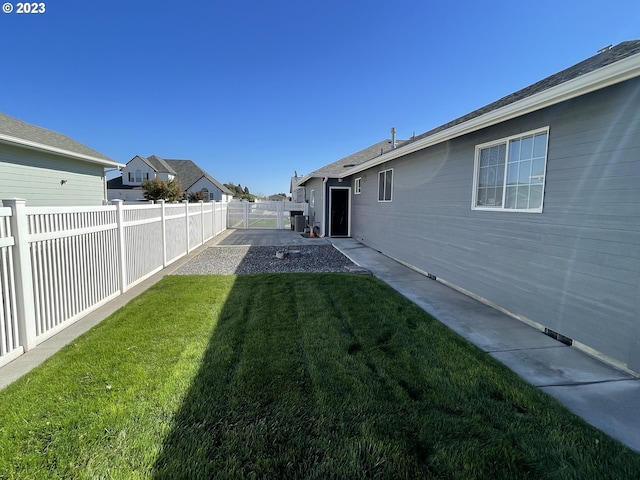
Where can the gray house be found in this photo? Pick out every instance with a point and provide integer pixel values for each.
(329, 195)
(530, 204)
(192, 178)
(48, 168)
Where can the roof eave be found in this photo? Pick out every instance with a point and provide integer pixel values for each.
(618, 72)
(309, 176)
(7, 139)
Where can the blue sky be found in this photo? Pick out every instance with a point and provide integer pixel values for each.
(253, 90)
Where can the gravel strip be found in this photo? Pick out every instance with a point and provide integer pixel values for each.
(225, 260)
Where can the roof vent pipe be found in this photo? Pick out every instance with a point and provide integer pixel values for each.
(393, 137)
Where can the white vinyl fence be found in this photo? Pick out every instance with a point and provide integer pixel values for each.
(57, 264)
(276, 215)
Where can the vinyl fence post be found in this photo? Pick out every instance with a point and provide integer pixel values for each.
(25, 305)
(202, 221)
(213, 218)
(280, 221)
(122, 254)
(186, 213)
(246, 214)
(163, 228)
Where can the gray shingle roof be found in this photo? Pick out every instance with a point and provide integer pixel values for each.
(189, 173)
(116, 183)
(160, 165)
(602, 59)
(344, 164)
(15, 128)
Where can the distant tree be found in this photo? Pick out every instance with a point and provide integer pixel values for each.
(156, 189)
(240, 192)
(197, 196)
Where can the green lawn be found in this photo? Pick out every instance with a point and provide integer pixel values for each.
(313, 376)
(270, 222)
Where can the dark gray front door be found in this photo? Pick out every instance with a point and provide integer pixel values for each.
(339, 219)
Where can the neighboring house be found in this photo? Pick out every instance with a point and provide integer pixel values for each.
(530, 204)
(192, 178)
(277, 198)
(48, 168)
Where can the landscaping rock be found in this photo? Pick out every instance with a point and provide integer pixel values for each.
(245, 260)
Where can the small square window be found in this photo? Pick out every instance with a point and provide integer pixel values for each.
(356, 186)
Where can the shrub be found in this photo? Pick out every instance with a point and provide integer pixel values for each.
(156, 189)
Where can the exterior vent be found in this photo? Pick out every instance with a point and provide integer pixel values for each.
(558, 336)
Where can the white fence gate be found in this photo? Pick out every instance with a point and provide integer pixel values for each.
(57, 264)
(274, 215)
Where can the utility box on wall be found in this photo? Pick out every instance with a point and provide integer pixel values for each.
(298, 195)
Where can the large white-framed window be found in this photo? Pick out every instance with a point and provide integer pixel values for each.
(356, 186)
(138, 176)
(509, 173)
(385, 185)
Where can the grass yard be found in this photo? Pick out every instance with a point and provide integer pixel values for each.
(313, 376)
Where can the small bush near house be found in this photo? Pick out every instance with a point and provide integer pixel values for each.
(198, 196)
(156, 189)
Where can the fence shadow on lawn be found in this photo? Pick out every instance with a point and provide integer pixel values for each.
(275, 399)
(247, 403)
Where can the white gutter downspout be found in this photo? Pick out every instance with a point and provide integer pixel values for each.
(324, 204)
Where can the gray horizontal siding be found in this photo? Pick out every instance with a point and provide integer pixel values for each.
(315, 210)
(36, 177)
(574, 268)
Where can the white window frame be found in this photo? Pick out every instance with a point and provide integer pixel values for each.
(357, 189)
(384, 191)
(476, 172)
(312, 199)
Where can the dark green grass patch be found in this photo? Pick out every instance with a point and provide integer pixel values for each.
(287, 376)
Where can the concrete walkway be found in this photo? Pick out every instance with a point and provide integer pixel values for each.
(606, 397)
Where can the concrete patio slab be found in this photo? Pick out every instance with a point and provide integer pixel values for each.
(559, 365)
(267, 238)
(610, 406)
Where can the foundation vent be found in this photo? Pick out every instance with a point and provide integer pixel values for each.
(558, 336)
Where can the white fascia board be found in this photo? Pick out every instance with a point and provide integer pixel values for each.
(302, 181)
(618, 72)
(57, 151)
(146, 162)
(308, 177)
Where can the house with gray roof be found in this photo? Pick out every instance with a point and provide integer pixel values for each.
(128, 187)
(48, 168)
(530, 204)
(327, 194)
